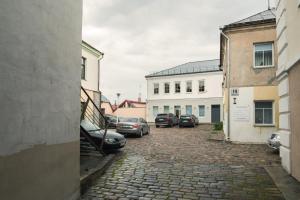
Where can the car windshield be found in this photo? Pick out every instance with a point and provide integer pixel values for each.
(126, 119)
(162, 115)
(87, 125)
(185, 117)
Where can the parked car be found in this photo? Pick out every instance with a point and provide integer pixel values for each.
(166, 119)
(274, 142)
(133, 126)
(113, 140)
(112, 121)
(188, 120)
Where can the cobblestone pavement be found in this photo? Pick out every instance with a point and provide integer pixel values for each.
(173, 163)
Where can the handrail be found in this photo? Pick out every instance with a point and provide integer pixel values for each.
(88, 112)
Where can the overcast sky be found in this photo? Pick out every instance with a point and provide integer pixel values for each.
(139, 37)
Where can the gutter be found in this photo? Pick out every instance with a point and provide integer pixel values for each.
(227, 82)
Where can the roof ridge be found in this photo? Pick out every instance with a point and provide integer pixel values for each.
(183, 64)
(271, 10)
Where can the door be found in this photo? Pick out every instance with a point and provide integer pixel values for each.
(215, 113)
(177, 111)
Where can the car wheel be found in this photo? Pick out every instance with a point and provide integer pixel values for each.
(141, 133)
(157, 126)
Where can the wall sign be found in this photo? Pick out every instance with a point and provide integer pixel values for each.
(241, 114)
(234, 92)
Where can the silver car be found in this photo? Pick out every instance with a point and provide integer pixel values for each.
(133, 126)
(274, 142)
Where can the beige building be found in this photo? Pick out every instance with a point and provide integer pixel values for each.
(249, 62)
(288, 75)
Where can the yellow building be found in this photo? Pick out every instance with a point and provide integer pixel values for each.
(249, 61)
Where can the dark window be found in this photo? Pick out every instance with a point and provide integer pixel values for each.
(263, 55)
(156, 88)
(83, 67)
(167, 88)
(177, 87)
(264, 112)
(201, 86)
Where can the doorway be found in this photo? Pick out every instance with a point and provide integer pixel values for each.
(215, 113)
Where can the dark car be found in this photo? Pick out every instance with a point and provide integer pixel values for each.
(166, 119)
(113, 140)
(188, 121)
(133, 126)
(112, 121)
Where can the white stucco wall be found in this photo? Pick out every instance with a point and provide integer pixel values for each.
(242, 121)
(92, 72)
(213, 84)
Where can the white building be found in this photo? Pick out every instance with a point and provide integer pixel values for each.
(90, 71)
(191, 88)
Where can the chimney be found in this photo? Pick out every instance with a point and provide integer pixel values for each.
(139, 99)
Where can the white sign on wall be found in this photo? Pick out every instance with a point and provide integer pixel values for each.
(241, 114)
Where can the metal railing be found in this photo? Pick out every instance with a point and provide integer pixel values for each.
(92, 113)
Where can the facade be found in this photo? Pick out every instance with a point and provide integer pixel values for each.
(288, 75)
(129, 108)
(191, 88)
(90, 71)
(248, 57)
(40, 85)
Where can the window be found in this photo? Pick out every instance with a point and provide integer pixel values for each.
(188, 110)
(167, 88)
(155, 111)
(263, 55)
(264, 113)
(156, 88)
(166, 109)
(83, 67)
(189, 86)
(201, 111)
(201, 86)
(177, 87)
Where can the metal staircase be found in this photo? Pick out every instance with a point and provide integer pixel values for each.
(91, 113)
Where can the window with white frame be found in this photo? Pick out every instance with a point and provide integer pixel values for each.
(264, 112)
(177, 87)
(202, 86)
(156, 88)
(167, 88)
(189, 86)
(263, 55)
(201, 111)
(188, 110)
(166, 109)
(83, 67)
(155, 111)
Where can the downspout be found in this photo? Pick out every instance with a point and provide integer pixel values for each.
(227, 82)
(100, 58)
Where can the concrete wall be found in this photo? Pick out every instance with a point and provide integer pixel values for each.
(40, 108)
(294, 78)
(207, 102)
(288, 31)
(213, 84)
(242, 56)
(242, 114)
(131, 112)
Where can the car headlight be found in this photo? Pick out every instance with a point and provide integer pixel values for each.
(110, 140)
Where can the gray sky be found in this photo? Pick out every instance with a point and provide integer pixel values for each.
(139, 37)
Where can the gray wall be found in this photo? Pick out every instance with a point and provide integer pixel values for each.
(40, 54)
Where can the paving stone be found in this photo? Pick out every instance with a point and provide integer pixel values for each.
(173, 163)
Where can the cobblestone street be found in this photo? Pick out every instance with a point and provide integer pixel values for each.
(173, 163)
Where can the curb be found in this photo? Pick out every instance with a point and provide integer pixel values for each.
(87, 180)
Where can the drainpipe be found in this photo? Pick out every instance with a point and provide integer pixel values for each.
(100, 58)
(227, 82)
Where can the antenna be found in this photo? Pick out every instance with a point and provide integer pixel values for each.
(140, 93)
(118, 96)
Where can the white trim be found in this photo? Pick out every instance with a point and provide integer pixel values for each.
(273, 59)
